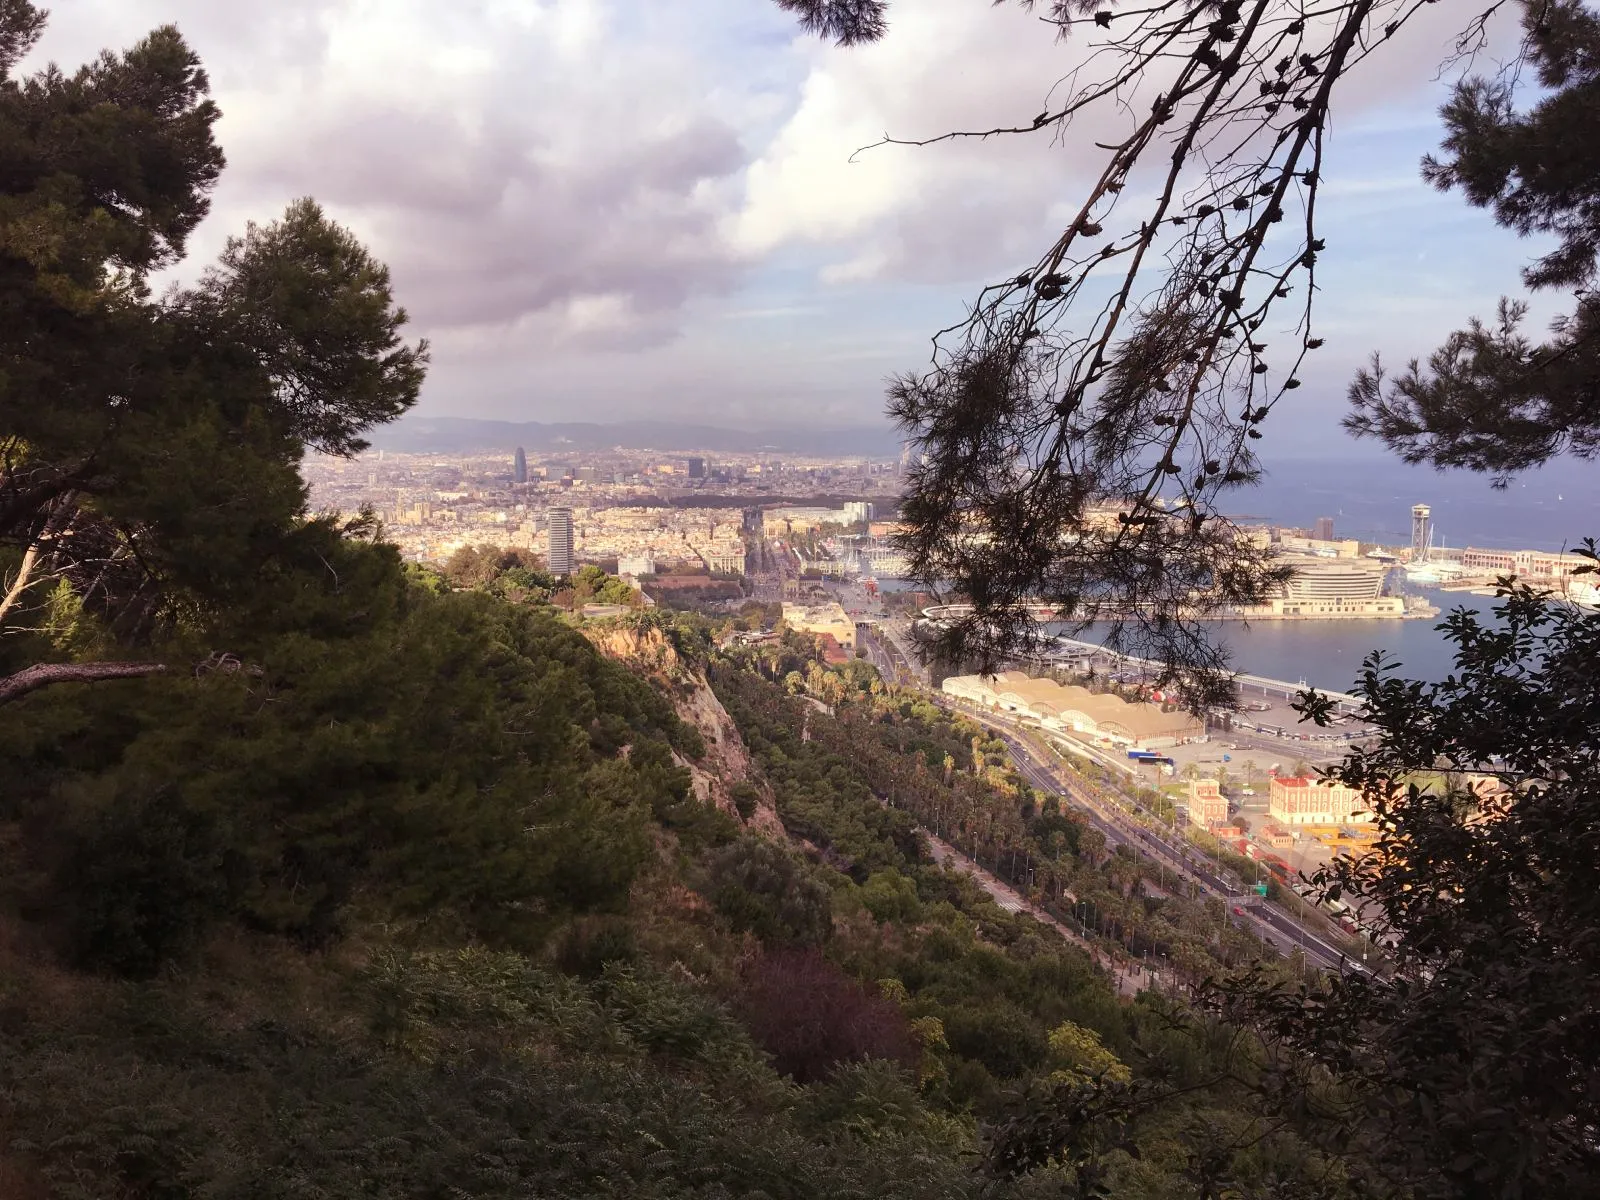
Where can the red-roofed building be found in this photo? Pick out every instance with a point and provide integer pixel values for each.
(832, 653)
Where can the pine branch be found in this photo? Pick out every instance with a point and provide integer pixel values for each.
(29, 679)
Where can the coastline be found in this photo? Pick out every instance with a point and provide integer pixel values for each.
(1408, 615)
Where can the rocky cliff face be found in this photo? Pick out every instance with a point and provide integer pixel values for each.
(646, 650)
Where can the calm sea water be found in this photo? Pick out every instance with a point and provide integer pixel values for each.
(1328, 654)
(1548, 509)
(1371, 499)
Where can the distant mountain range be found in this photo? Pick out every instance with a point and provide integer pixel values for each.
(463, 435)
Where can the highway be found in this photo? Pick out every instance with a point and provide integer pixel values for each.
(1249, 911)
(1119, 827)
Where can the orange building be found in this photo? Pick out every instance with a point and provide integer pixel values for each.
(1305, 801)
(1207, 805)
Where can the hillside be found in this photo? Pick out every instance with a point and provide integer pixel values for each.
(325, 875)
(478, 901)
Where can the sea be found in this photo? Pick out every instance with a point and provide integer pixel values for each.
(1328, 654)
(1370, 499)
(1550, 509)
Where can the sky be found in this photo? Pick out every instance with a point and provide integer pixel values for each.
(605, 210)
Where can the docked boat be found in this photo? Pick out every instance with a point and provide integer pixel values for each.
(1432, 569)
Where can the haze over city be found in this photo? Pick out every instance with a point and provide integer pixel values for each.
(608, 211)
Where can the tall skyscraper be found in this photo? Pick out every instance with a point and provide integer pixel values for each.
(1324, 531)
(694, 468)
(519, 466)
(560, 560)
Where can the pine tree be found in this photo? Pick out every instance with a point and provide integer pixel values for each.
(149, 446)
(1491, 398)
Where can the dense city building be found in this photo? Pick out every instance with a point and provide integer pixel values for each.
(432, 505)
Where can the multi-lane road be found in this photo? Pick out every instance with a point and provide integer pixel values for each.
(885, 650)
(1119, 827)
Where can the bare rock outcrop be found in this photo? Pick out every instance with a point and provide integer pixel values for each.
(645, 650)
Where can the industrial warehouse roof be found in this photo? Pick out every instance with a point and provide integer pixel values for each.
(1049, 698)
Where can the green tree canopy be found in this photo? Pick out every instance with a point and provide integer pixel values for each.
(149, 446)
(1492, 398)
(1476, 1056)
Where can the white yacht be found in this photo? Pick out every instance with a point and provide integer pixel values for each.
(1585, 593)
(1432, 568)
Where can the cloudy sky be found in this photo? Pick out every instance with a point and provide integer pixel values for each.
(610, 209)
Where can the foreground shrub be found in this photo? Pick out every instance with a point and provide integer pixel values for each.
(810, 1016)
(763, 889)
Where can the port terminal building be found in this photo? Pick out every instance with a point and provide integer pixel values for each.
(1328, 588)
(1065, 708)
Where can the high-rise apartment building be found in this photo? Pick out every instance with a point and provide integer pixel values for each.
(857, 512)
(559, 559)
(1324, 529)
(694, 468)
(519, 466)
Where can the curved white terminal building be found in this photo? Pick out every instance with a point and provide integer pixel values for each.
(1328, 588)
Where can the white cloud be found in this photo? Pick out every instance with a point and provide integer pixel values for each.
(555, 171)
(969, 208)
(932, 212)
(555, 181)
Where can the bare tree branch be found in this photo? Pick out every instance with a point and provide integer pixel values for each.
(59, 520)
(29, 679)
(1078, 434)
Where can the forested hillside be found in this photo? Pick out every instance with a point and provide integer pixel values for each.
(433, 905)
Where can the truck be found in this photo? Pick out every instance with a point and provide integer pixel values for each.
(1150, 756)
